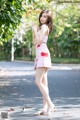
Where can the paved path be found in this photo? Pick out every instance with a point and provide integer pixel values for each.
(17, 90)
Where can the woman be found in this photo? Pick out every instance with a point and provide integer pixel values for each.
(43, 60)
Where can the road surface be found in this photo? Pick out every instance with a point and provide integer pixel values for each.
(18, 90)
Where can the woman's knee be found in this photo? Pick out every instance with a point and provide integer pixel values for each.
(37, 82)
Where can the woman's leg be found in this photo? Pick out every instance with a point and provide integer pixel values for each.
(40, 72)
(45, 83)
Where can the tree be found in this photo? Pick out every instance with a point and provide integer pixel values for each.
(68, 31)
(10, 15)
(64, 39)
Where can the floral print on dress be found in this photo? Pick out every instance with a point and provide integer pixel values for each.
(44, 54)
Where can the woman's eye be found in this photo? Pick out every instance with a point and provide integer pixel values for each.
(44, 16)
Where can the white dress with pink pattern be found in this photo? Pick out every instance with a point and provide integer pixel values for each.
(43, 58)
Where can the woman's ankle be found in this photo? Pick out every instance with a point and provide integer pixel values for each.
(45, 108)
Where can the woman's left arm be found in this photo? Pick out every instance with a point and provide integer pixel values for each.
(35, 35)
(44, 31)
(39, 37)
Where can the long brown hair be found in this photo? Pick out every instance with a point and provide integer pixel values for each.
(49, 19)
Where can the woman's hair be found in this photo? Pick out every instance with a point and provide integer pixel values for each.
(49, 19)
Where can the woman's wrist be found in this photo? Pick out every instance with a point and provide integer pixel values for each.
(40, 42)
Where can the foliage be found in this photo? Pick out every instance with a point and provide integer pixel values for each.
(10, 14)
(64, 41)
(66, 33)
(24, 48)
(5, 51)
(65, 60)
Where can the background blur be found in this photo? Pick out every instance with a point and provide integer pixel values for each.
(16, 17)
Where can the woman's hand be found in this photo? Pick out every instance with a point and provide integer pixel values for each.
(34, 28)
(39, 42)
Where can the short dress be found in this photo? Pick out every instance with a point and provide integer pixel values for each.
(42, 58)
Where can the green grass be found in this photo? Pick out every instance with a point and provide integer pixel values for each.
(65, 60)
(54, 60)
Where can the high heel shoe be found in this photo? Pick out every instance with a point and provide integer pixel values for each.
(51, 109)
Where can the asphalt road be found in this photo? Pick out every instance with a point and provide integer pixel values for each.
(17, 89)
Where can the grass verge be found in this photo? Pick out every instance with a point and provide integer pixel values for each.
(65, 60)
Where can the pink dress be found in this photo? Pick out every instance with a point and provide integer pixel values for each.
(43, 58)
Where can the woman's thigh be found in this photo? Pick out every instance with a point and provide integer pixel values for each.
(40, 72)
(44, 79)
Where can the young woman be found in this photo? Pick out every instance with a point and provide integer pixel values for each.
(43, 59)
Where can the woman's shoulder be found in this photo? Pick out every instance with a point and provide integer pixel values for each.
(44, 27)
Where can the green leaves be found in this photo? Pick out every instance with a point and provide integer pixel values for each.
(63, 41)
(10, 15)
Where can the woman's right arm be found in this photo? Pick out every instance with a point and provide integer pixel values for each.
(35, 35)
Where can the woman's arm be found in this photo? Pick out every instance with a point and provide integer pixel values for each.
(44, 31)
(35, 35)
(38, 38)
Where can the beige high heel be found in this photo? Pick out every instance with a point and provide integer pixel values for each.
(51, 109)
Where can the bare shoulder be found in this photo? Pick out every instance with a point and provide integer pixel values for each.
(44, 27)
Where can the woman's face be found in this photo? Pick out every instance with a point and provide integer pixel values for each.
(43, 18)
